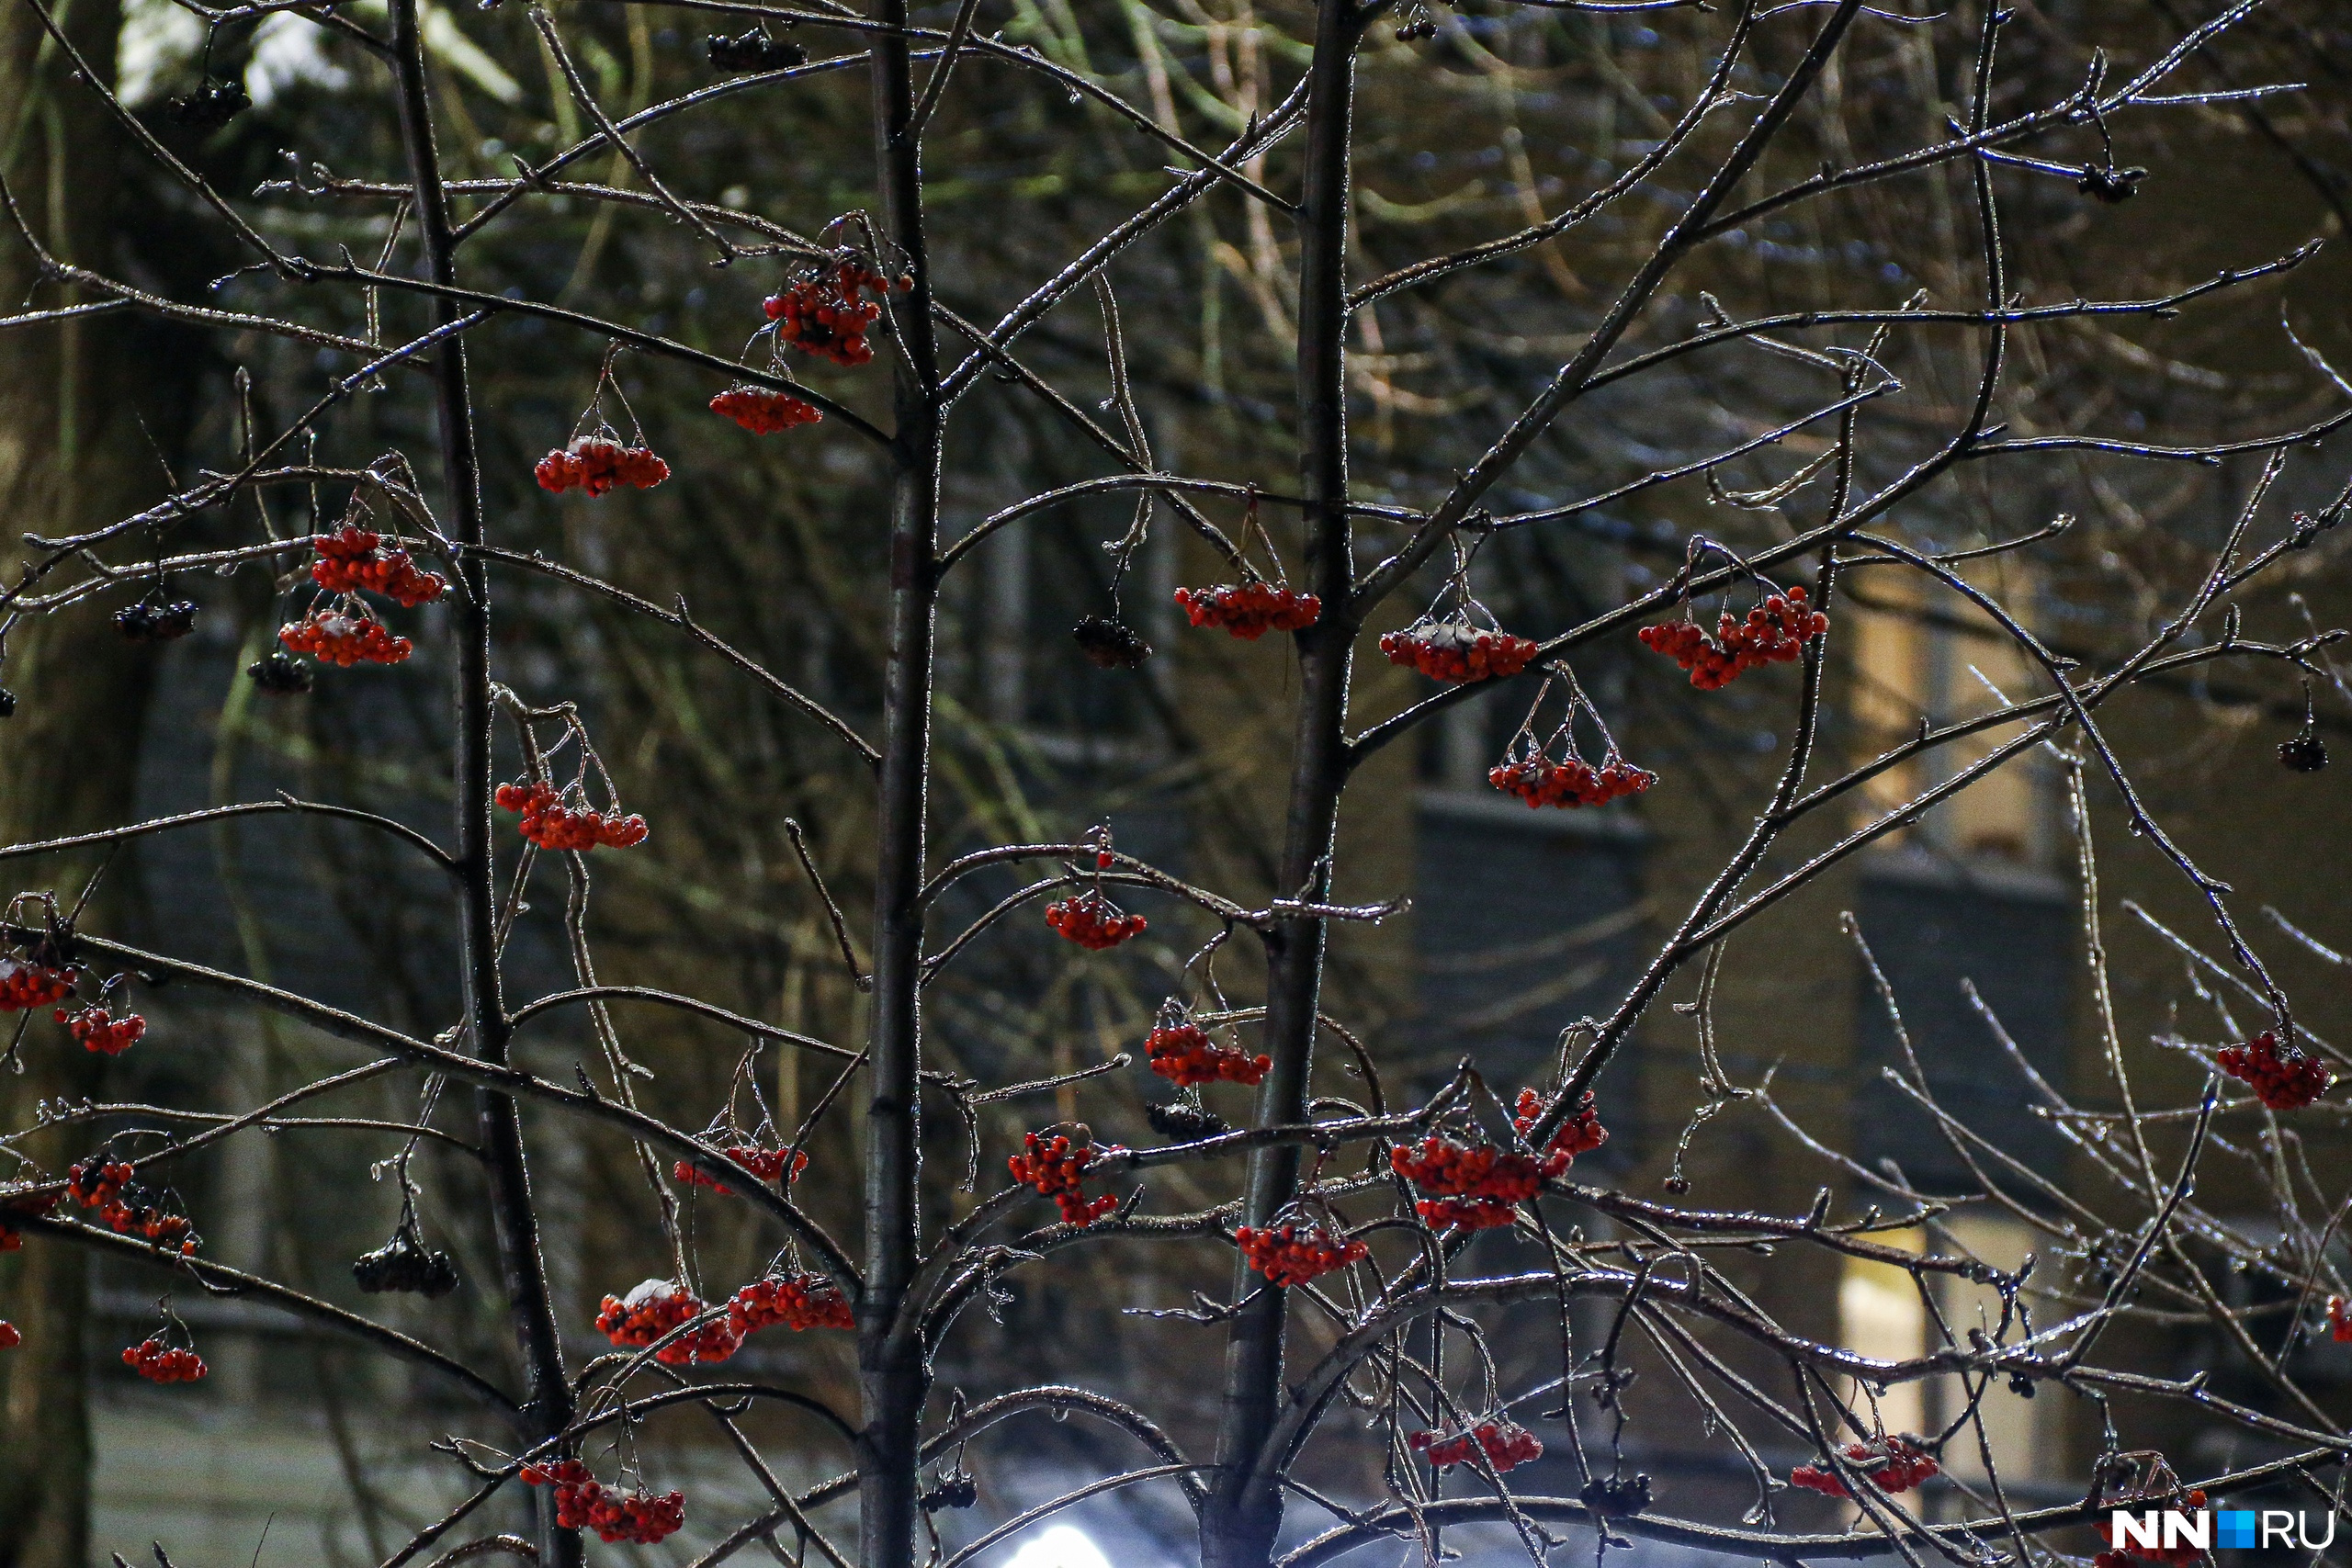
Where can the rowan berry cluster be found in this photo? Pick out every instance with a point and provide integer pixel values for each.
(344, 638)
(755, 50)
(1055, 1164)
(596, 464)
(1893, 1464)
(1466, 1185)
(101, 1032)
(1579, 1135)
(1109, 644)
(145, 622)
(2123, 1555)
(583, 1503)
(404, 1263)
(1457, 651)
(353, 557)
(552, 825)
(2283, 1080)
(1092, 921)
(26, 985)
(766, 1164)
(1539, 781)
(1774, 633)
(801, 1302)
(1249, 610)
(162, 1363)
(826, 314)
(106, 1185)
(1508, 1445)
(763, 413)
(10, 1336)
(652, 1310)
(1293, 1254)
(1181, 1052)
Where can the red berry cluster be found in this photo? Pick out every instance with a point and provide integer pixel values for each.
(1773, 634)
(10, 1238)
(2283, 1080)
(1458, 651)
(763, 413)
(1183, 1053)
(1249, 610)
(825, 314)
(596, 464)
(1508, 1445)
(652, 1310)
(2339, 1320)
(100, 1030)
(24, 986)
(1472, 1186)
(552, 825)
(804, 1301)
(1092, 921)
(583, 1503)
(1294, 1254)
(1893, 1464)
(344, 638)
(2121, 1555)
(352, 557)
(105, 1185)
(766, 1164)
(1579, 1135)
(1054, 1165)
(10, 1336)
(1539, 781)
(159, 1363)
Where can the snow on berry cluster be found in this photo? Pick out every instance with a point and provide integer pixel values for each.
(1249, 610)
(106, 1185)
(1293, 1254)
(652, 1310)
(763, 413)
(1092, 921)
(1893, 1464)
(766, 1164)
(1774, 632)
(826, 314)
(1579, 1135)
(353, 557)
(1508, 1445)
(26, 985)
(1054, 1163)
(596, 464)
(552, 825)
(1457, 651)
(583, 1503)
(1469, 1186)
(344, 636)
(1539, 781)
(101, 1032)
(800, 1301)
(1181, 1052)
(162, 1363)
(2283, 1080)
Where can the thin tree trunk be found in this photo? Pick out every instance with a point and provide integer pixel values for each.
(547, 1400)
(1245, 1510)
(893, 1379)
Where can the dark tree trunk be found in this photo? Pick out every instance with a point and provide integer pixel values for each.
(1245, 1509)
(893, 1379)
